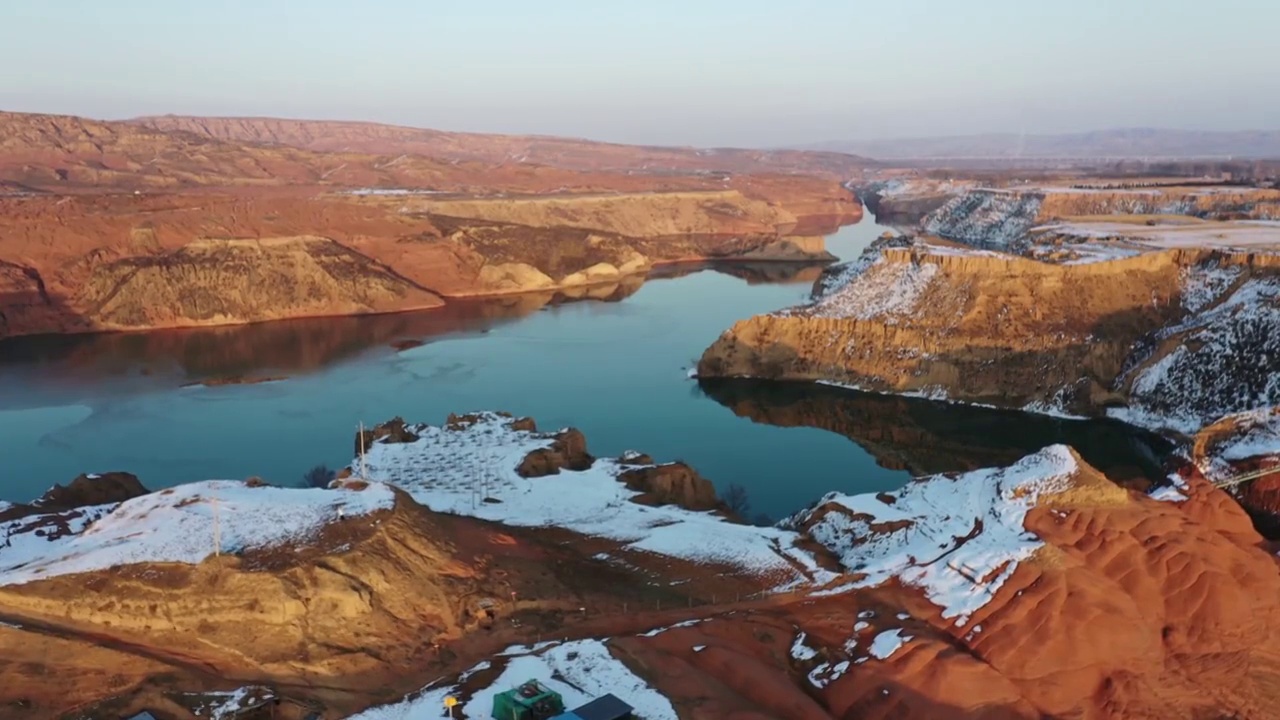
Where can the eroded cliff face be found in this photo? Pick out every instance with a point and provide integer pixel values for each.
(1170, 339)
(84, 263)
(313, 613)
(222, 282)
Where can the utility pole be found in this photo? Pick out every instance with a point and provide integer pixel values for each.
(363, 474)
(217, 528)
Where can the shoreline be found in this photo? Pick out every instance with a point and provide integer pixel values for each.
(445, 298)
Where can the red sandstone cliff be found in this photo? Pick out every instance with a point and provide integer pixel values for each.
(228, 227)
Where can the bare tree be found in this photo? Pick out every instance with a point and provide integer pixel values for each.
(318, 477)
(735, 498)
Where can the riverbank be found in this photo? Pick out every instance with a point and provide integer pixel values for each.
(74, 404)
(510, 553)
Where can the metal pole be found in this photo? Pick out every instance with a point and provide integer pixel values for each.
(364, 475)
(217, 529)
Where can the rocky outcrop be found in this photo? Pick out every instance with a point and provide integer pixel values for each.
(85, 491)
(1164, 338)
(86, 263)
(221, 282)
(1243, 449)
(671, 484)
(904, 201)
(568, 451)
(271, 612)
(657, 215)
(112, 487)
(391, 431)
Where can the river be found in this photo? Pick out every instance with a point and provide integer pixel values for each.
(613, 367)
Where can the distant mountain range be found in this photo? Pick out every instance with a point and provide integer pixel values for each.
(1120, 143)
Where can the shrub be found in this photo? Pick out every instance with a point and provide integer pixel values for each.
(735, 498)
(318, 477)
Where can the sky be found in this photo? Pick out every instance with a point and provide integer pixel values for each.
(697, 72)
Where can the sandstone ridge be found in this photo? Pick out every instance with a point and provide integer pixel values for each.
(1164, 338)
(99, 262)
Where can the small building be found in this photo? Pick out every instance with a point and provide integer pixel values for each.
(605, 707)
(530, 701)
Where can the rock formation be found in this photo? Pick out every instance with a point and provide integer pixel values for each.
(1082, 610)
(1002, 217)
(132, 262)
(671, 484)
(229, 226)
(1168, 338)
(1040, 589)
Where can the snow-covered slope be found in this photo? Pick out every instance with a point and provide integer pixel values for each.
(987, 218)
(1256, 434)
(835, 277)
(470, 469)
(580, 670)
(1227, 359)
(956, 538)
(175, 525)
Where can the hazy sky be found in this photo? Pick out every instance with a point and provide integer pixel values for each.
(706, 72)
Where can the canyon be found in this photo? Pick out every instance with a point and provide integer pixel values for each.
(1104, 569)
(122, 226)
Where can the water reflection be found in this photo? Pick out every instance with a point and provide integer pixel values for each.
(754, 273)
(59, 364)
(926, 437)
(262, 351)
(613, 369)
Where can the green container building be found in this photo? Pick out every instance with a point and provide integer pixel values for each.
(530, 701)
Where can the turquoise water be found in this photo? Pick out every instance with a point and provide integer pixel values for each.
(614, 369)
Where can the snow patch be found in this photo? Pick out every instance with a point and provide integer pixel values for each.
(393, 191)
(800, 651)
(659, 631)
(1228, 362)
(227, 705)
(1259, 436)
(986, 217)
(888, 642)
(886, 290)
(580, 671)
(453, 470)
(827, 673)
(931, 542)
(176, 525)
(1202, 286)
